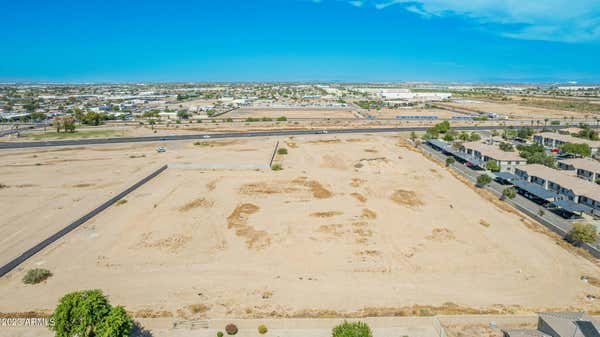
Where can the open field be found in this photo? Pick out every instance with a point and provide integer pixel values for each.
(392, 113)
(515, 110)
(292, 113)
(354, 225)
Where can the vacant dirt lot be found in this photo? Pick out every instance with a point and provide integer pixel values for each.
(351, 225)
(515, 110)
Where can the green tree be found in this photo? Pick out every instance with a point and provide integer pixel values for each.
(507, 147)
(183, 114)
(492, 165)
(581, 233)
(576, 149)
(464, 136)
(483, 180)
(352, 329)
(475, 137)
(509, 193)
(116, 324)
(87, 314)
(413, 136)
(450, 161)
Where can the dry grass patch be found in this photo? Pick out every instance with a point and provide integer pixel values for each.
(441, 235)
(316, 188)
(325, 141)
(291, 145)
(238, 220)
(275, 187)
(359, 197)
(368, 214)
(202, 202)
(328, 214)
(151, 313)
(171, 244)
(406, 198)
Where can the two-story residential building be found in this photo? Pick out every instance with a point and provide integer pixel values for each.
(507, 160)
(555, 140)
(570, 189)
(585, 168)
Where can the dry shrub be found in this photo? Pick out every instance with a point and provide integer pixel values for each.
(484, 223)
(371, 150)
(359, 197)
(292, 145)
(368, 214)
(202, 202)
(198, 308)
(150, 313)
(238, 220)
(335, 229)
(328, 214)
(356, 182)
(441, 235)
(211, 185)
(406, 198)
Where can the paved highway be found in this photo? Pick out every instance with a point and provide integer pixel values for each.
(95, 141)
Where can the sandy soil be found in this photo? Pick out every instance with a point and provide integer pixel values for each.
(392, 113)
(515, 110)
(245, 112)
(352, 224)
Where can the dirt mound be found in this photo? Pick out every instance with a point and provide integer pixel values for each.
(238, 220)
(202, 202)
(441, 235)
(406, 198)
(328, 214)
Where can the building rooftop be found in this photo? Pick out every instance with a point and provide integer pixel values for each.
(570, 139)
(584, 163)
(566, 180)
(493, 151)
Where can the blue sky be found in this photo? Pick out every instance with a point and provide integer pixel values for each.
(301, 40)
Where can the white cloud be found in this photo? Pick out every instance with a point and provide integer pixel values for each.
(356, 3)
(553, 20)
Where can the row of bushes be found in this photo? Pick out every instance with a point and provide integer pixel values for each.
(346, 329)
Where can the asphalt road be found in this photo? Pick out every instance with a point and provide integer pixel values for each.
(96, 141)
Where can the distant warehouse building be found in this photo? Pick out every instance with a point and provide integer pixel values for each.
(585, 168)
(569, 190)
(507, 160)
(555, 140)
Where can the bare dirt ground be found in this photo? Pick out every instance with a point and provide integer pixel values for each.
(392, 113)
(352, 226)
(515, 110)
(245, 112)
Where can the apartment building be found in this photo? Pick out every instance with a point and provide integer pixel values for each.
(555, 140)
(585, 168)
(507, 160)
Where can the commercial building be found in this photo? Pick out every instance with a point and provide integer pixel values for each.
(585, 168)
(507, 160)
(555, 140)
